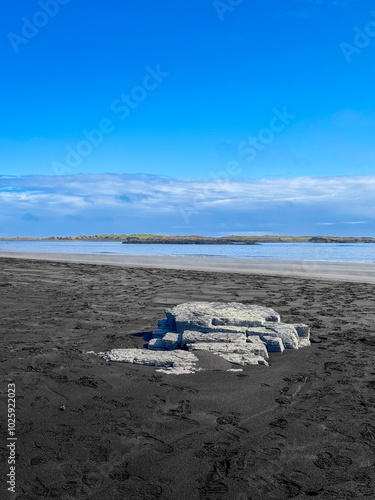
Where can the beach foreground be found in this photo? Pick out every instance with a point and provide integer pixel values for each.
(87, 429)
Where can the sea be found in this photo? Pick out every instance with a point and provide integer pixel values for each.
(340, 252)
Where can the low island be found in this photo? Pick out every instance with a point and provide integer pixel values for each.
(144, 238)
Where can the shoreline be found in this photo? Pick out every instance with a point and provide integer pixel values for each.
(361, 272)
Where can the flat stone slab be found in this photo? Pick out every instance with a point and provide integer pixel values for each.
(189, 337)
(200, 316)
(220, 347)
(183, 360)
(243, 359)
(239, 354)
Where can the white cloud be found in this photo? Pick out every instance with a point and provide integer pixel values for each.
(247, 204)
(146, 192)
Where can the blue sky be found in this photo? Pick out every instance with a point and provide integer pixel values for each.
(194, 116)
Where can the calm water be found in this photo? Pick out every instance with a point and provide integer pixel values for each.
(347, 252)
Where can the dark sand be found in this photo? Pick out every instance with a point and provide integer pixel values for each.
(303, 427)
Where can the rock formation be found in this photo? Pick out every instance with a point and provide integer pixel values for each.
(241, 334)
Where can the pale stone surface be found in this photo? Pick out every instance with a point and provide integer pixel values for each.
(220, 347)
(304, 342)
(274, 344)
(255, 339)
(243, 359)
(256, 331)
(287, 333)
(178, 358)
(239, 354)
(179, 370)
(156, 344)
(198, 316)
(237, 333)
(170, 341)
(189, 337)
(302, 330)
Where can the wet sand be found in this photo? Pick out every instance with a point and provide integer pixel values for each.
(87, 429)
(345, 271)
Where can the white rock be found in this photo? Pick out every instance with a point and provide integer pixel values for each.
(302, 330)
(243, 359)
(304, 342)
(178, 370)
(240, 334)
(254, 339)
(198, 316)
(244, 354)
(256, 332)
(178, 358)
(156, 344)
(240, 354)
(274, 344)
(189, 337)
(287, 333)
(170, 341)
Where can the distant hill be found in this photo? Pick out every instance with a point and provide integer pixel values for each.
(199, 240)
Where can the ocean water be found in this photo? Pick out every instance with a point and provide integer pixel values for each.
(344, 252)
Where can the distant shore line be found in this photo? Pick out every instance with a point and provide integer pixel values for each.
(363, 272)
(195, 239)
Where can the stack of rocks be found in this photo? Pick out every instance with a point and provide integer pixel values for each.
(241, 334)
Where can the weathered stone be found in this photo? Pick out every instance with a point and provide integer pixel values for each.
(237, 333)
(232, 353)
(254, 339)
(287, 333)
(243, 359)
(302, 330)
(189, 337)
(200, 316)
(244, 351)
(257, 342)
(257, 331)
(304, 342)
(274, 344)
(179, 370)
(178, 358)
(169, 341)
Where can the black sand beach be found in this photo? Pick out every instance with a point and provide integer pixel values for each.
(87, 429)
